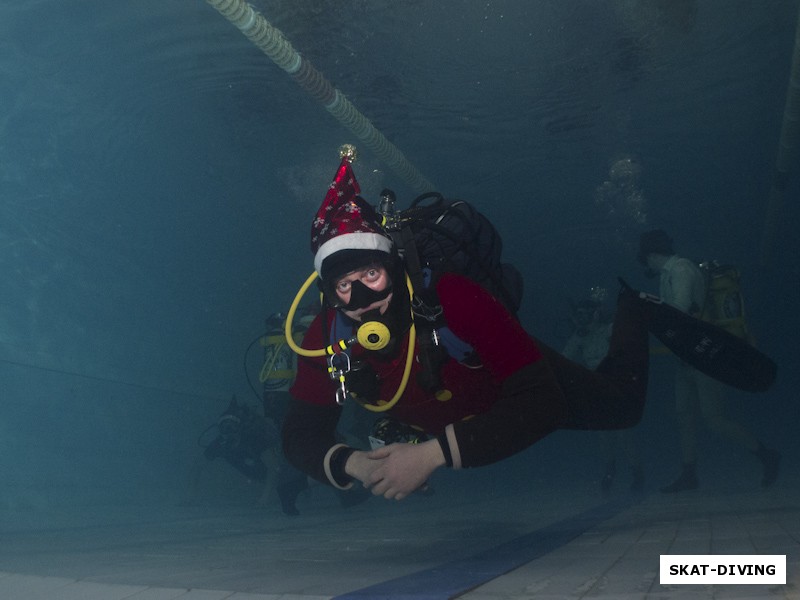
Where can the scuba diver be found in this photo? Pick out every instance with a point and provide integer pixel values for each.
(242, 440)
(477, 407)
(588, 346)
(683, 286)
(247, 441)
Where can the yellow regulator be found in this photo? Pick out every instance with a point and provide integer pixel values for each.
(373, 335)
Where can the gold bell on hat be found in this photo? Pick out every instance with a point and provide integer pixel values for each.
(348, 152)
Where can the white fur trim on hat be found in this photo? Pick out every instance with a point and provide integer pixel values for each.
(359, 240)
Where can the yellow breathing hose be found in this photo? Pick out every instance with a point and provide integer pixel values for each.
(272, 43)
(382, 405)
(290, 318)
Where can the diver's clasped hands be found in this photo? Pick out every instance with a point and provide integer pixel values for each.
(396, 470)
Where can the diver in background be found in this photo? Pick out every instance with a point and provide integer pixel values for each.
(244, 440)
(682, 285)
(588, 346)
(247, 441)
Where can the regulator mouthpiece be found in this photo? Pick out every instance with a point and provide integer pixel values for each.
(373, 335)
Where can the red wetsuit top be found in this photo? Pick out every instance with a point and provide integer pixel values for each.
(473, 316)
(496, 410)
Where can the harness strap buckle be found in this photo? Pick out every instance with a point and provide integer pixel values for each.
(425, 311)
(341, 393)
(339, 372)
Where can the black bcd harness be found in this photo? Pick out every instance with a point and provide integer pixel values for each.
(435, 236)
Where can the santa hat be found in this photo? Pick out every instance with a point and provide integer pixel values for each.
(346, 233)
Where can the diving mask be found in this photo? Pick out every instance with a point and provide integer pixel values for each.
(361, 296)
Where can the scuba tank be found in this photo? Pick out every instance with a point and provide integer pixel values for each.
(280, 363)
(724, 305)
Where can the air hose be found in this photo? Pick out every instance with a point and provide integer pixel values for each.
(272, 43)
(381, 405)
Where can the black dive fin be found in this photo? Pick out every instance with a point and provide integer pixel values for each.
(709, 349)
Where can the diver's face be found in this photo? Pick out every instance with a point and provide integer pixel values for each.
(365, 283)
(653, 264)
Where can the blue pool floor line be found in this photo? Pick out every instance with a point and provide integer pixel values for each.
(458, 577)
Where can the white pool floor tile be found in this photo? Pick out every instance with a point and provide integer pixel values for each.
(389, 550)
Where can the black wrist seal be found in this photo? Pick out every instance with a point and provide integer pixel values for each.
(337, 463)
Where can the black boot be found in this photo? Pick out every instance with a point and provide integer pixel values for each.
(687, 480)
(608, 476)
(288, 492)
(771, 461)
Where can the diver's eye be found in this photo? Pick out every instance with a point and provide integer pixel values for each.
(343, 286)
